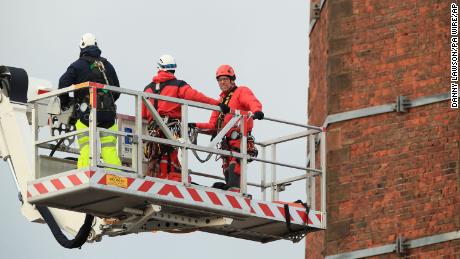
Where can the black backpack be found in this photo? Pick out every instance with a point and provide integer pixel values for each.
(106, 108)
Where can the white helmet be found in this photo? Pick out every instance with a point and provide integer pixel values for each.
(88, 39)
(166, 62)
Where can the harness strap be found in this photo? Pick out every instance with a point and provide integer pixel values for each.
(287, 215)
(158, 87)
(225, 101)
(98, 63)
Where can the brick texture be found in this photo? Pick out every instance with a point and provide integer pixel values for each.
(317, 95)
(394, 173)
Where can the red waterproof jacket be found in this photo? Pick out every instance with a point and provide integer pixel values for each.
(178, 89)
(242, 99)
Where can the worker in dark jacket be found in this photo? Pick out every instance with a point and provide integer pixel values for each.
(164, 162)
(92, 67)
(237, 98)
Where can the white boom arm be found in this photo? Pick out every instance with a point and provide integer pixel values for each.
(16, 149)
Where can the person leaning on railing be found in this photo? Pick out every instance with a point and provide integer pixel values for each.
(92, 67)
(163, 159)
(237, 98)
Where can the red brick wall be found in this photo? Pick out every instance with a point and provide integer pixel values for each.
(317, 94)
(393, 173)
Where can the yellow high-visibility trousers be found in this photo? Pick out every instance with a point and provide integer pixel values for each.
(108, 147)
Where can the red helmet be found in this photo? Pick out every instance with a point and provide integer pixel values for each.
(226, 70)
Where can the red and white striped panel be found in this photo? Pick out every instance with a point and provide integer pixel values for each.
(51, 185)
(216, 199)
(177, 192)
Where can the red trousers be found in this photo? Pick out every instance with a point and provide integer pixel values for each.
(233, 145)
(167, 167)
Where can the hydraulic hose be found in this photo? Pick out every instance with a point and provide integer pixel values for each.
(79, 239)
(56, 147)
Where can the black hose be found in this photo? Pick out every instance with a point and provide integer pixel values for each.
(79, 239)
(56, 146)
(193, 136)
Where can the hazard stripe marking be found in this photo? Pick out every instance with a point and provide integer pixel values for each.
(225, 202)
(103, 180)
(266, 210)
(214, 198)
(194, 194)
(40, 188)
(48, 186)
(167, 189)
(66, 182)
(309, 221)
(130, 181)
(283, 213)
(145, 187)
(248, 201)
(233, 201)
(206, 197)
(318, 216)
(90, 174)
(57, 184)
(303, 215)
(74, 179)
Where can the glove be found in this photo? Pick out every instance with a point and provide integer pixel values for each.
(224, 108)
(258, 115)
(191, 125)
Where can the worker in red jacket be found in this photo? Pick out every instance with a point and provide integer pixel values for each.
(237, 98)
(163, 159)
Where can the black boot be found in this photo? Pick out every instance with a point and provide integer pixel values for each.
(220, 185)
(233, 179)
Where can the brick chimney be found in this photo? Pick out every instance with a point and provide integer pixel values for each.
(390, 172)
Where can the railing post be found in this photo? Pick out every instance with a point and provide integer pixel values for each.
(35, 139)
(244, 160)
(93, 133)
(307, 177)
(274, 187)
(312, 151)
(138, 152)
(263, 181)
(323, 177)
(184, 137)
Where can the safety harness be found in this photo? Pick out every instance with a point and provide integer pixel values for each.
(158, 87)
(155, 150)
(106, 108)
(225, 101)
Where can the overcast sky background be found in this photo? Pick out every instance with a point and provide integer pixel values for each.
(266, 41)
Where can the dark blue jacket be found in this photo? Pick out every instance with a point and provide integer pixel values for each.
(79, 70)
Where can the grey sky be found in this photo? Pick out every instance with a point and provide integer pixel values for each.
(266, 41)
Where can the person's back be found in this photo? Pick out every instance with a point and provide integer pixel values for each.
(163, 159)
(90, 66)
(80, 71)
(165, 83)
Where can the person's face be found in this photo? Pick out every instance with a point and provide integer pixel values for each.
(225, 83)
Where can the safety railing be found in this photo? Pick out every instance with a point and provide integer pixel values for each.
(315, 153)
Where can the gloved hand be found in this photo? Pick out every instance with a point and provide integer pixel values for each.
(191, 125)
(224, 108)
(258, 115)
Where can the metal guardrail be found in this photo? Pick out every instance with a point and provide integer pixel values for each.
(311, 134)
